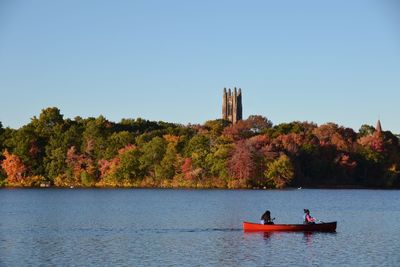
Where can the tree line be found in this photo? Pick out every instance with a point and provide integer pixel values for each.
(252, 153)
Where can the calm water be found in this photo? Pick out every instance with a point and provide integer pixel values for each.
(195, 228)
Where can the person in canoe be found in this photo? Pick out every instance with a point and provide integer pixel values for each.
(266, 218)
(307, 217)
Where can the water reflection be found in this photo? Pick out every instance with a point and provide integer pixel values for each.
(192, 228)
(308, 238)
(267, 235)
(264, 235)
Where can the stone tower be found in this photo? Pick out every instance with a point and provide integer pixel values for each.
(232, 105)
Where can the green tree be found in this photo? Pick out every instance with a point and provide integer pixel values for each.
(29, 147)
(216, 127)
(116, 141)
(128, 169)
(166, 169)
(55, 163)
(296, 127)
(48, 119)
(219, 157)
(95, 137)
(280, 172)
(152, 154)
(2, 137)
(365, 130)
(64, 136)
(197, 149)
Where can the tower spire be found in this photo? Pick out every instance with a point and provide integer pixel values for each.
(224, 105)
(378, 128)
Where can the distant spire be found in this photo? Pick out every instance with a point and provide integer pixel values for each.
(378, 128)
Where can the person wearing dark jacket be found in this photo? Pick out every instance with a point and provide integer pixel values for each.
(266, 218)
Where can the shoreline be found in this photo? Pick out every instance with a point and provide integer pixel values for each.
(206, 188)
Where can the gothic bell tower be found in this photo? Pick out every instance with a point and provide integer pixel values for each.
(232, 105)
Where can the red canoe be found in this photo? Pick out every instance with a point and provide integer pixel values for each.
(318, 227)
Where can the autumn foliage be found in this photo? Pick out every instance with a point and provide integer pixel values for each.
(252, 153)
(187, 169)
(13, 167)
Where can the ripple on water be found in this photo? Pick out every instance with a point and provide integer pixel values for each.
(194, 228)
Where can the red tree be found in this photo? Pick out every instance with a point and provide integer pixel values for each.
(331, 134)
(79, 162)
(241, 165)
(187, 168)
(239, 131)
(14, 167)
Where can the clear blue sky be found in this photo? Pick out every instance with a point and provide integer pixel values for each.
(321, 61)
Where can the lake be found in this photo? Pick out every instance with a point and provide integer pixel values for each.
(152, 227)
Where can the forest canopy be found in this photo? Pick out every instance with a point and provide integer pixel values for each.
(253, 153)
